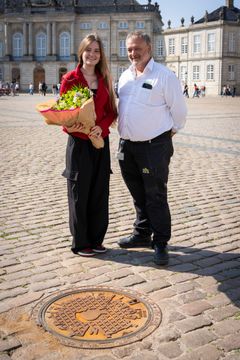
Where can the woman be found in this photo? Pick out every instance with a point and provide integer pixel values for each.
(87, 168)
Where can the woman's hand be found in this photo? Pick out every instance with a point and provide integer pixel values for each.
(96, 131)
(77, 127)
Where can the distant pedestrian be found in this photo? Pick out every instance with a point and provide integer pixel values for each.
(223, 92)
(17, 87)
(228, 90)
(185, 91)
(54, 89)
(31, 88)
(40, 88)
(12, 88)
(58, 88)
(203, 91)
(44, 88)
(195, 91)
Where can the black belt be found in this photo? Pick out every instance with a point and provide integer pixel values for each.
(163, 135)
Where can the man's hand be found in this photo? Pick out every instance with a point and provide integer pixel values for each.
(173, 133)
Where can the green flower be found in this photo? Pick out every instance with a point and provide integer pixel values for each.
(73, 98)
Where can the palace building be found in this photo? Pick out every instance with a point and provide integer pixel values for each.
(39, 40)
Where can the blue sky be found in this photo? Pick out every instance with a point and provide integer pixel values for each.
(176, 9)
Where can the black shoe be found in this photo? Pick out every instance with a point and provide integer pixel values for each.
(135, 241)
(161, 256)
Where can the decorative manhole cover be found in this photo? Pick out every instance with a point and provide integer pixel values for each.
(99, 317)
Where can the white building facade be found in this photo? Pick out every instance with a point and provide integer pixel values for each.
(207, 52)
(39, 40)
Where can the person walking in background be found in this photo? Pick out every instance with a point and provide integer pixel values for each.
(151, 110)
(203, 91)
(54, 89)
(44, 88)
(17, 88)
(58, 88)
(13, 88)
(40, 88)
(195, 91)
(185, 91)
(87, 168)
(31, 88)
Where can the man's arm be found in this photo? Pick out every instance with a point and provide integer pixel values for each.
(176, 102)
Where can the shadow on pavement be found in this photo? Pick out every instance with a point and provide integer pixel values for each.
(224, 267)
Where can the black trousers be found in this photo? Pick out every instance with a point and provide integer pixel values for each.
(145, 170)
(88, 173)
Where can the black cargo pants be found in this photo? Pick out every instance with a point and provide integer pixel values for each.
(87, 173)
(145, 169)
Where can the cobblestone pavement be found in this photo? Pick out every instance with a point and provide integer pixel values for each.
(198, 293)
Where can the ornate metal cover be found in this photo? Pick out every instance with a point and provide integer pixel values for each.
(99, 317)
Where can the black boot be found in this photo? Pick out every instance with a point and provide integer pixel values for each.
(161, 256)
(135, 241)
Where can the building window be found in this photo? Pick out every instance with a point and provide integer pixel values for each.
(41, 45)
(1, 74)
(64, 44)
(122, 48)
(196, 44)
(171, 46)
(1, 49)
(160, 47)
(231, 72)
(211, 42)
(123, 25)
(232, 42)
(17, 45)
(196, 72)
(85, 26)
(183, 73)
(210, 72)
(140, 25)
(184, 45)
(103, 25)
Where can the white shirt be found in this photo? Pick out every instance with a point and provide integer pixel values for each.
(150, 104)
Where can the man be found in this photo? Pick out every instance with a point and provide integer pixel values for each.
(151, 110)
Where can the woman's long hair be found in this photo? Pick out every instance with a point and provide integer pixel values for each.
(101, 66)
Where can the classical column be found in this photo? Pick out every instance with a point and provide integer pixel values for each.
(6, 39)
(48, 39)
(25, 50)
(54, 38)
(30, 39)
(72, 50)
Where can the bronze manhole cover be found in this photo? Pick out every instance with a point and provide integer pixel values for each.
(99, 317)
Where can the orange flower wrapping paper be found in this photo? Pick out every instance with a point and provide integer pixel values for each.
(85, 115)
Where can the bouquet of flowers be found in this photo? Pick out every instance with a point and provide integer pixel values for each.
(74, 107)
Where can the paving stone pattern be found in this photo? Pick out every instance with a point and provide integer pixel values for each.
(198, 293)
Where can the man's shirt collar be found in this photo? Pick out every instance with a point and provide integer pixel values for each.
(148, 67)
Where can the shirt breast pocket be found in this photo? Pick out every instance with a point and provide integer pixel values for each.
(143, 96)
